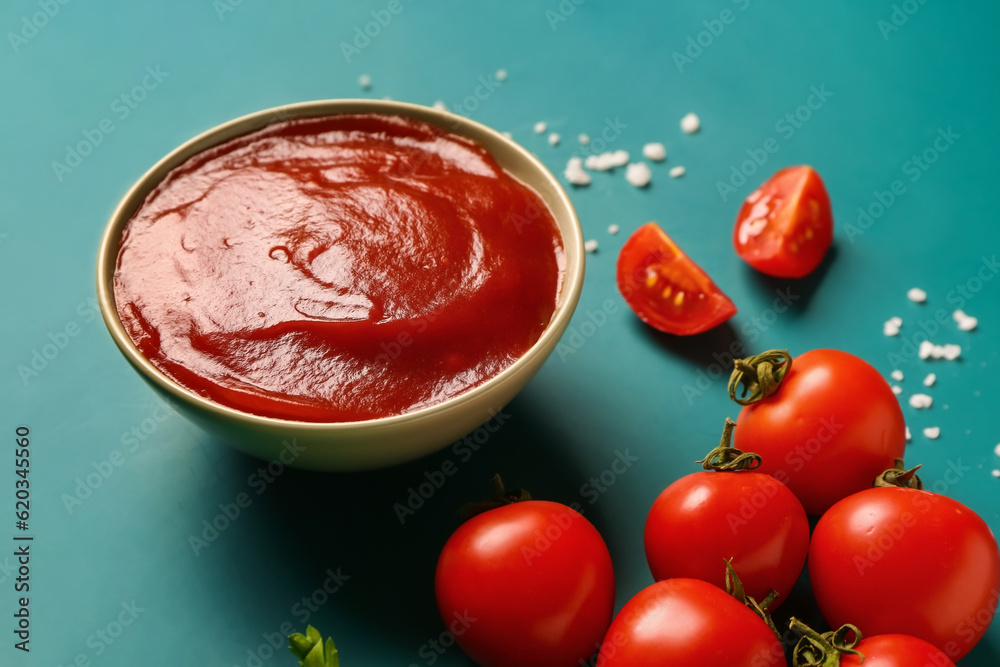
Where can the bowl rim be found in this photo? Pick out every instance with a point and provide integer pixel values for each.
(546, 185)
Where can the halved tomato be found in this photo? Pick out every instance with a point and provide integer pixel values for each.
(785, 226)
(665, 288)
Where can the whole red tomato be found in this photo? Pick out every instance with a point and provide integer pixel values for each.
(679, 622)
(896, 651)
(532, 582)
(785, 226)
(705, 518)
(829, 429)
(903, 561)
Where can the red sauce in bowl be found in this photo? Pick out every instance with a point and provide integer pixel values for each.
(338, 269)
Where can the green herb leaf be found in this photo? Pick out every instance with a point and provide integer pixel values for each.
(308, 648)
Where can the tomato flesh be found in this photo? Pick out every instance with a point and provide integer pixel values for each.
(893, 560)
(665, 288)
(785, 226)
(536, 577)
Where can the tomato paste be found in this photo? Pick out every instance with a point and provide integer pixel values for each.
(338, 269)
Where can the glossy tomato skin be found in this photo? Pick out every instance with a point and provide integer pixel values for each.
(785, 226)
(896, 651)
(534, 581)
(679, 622)
(902, 561)
(829, 430)
(665, 288)
(705, 518)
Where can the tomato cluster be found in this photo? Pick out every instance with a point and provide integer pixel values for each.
(918, 573)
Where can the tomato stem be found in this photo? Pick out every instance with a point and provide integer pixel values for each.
(901, 477)
(735, 588)
(760, 375)
(500, 497)
(824, 650)
(726, 458)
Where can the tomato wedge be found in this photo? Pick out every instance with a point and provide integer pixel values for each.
(785, 226)
(665, 288)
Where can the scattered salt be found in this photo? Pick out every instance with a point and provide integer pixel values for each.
(677, 172)
(690, 123)
(897, 390)
(995, 472)
(501, 75)
(921, 401)
(930, 380)
(540, 127)
(365, 81)
(932, 432)
(590, 246)
(897, 375)
(554, 139)
(965, 322)
(638, 174)
(909, 436)
(996, 450)
(583, 139)
(574, 172)
(655, 151)
(612, 229)
(608, 160)
(948, 351)
(916, 295)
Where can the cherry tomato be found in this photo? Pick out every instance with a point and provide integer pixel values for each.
(902, 561)
(786, 225)
(527, 584)
(688, 622)
(707, 517)
(665, 288)
(832, 426)
(896, 651)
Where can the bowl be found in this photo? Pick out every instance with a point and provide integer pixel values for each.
(372, 443)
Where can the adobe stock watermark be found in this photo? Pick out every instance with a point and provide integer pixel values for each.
(41, 357)
(914, 168)
(462, 450)
(276, 643)
(31, 25)
(697, 44)
(752, 330)
(577, 335)
(365, 33)
(562, 12)
(958, 297)
(229, 513)
(432, 650)
(132, 440)
(102, 639)
(121, 107)
(786, 127)
(223, 7)
(900, 14)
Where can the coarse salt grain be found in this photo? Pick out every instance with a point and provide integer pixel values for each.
(948, 351)
(897, 375)
(965, 322)
(638, 174)
(995, 472)
(501, 75)
(655, 151)
(996, 450)
(952, 352)
(690, 123)
(607, 160)
(540, 127)
(916, 295)
(574, 172)
(590, 246)
(677, 172)
(930, 380)
(890, 328)
(926, 347)
(612, 229)
(932, 432)
(897, 390)
(554, 139)
(908, 435)
(365, 81)
(583, 139)
(921, 401)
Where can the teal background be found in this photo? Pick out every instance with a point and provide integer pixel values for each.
(621, 389)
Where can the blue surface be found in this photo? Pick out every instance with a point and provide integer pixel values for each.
(622, 388)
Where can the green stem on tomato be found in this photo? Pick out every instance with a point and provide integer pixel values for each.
(900, 477)
(726, 458)
(760, 375)
(500, 497)
(823, 650)
(735, 588)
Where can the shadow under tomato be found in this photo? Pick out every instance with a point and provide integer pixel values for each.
(800, 290)
(384, 529)
(716, 346)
